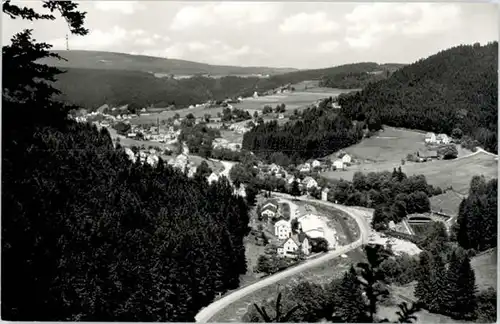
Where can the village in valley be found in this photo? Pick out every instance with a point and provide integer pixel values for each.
(141, 181)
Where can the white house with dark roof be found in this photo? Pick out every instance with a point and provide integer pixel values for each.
(291, 246)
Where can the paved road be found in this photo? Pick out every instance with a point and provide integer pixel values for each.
(208, 312)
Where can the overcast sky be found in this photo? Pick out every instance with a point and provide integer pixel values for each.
(294, 34)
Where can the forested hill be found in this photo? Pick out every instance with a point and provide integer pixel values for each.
(336, 77)
(455, 89)
(91, 88)
(128, 62)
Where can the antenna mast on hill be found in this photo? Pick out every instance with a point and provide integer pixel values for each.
(67, 43)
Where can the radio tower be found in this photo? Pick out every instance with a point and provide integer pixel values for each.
(67, 43)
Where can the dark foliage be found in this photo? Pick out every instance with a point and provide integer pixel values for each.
(319, 244)
(455, 88)
(478, 216)
(318, 133)
(487, 306)
(447, 289)
(88, 235)
(393, 195)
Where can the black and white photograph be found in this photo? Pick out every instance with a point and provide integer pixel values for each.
(244, 161)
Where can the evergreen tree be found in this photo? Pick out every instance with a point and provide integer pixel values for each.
(465, 298)
(424, 288)
(295, 191)
(438, 293)
(350, 304)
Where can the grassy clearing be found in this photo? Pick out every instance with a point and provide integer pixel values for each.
(197, 112)
(391, 145)
(447, 202)
(485, 268)
(455, 173)
(320, 274)
(231, 136)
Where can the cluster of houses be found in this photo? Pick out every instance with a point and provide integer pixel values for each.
(150, 156)
(158, 133)
(291, 241)
(431, 138)
(224, 143)
(343, 160)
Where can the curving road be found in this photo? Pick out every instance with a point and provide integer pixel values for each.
(208, 312)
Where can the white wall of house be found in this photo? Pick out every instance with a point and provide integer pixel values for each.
(282, 229)
(338, 164)
(306, 248)
(290, 246)
(346, 158)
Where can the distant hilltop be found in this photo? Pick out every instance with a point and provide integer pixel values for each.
(121, 61)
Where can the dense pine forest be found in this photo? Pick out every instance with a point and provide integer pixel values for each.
(87, 235)
(319, 132)
(476, 226)
(453, 89)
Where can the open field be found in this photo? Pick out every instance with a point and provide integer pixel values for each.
(485, 267)
(447, 202)
(196, 111)
(392, 145)
(231, 136)
(443, 173)
(291, 100)
(320, 274)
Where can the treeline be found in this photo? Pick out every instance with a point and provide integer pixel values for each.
(455, 89)
(476, 226)
(87, 235)
(319, 132)
(352, 80)
(393, 195)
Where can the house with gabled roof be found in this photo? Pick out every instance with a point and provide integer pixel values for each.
(270, 209)
(295, 244)
(346, 158)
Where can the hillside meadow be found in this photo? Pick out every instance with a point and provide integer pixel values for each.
(443, 173)
(292, 100)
